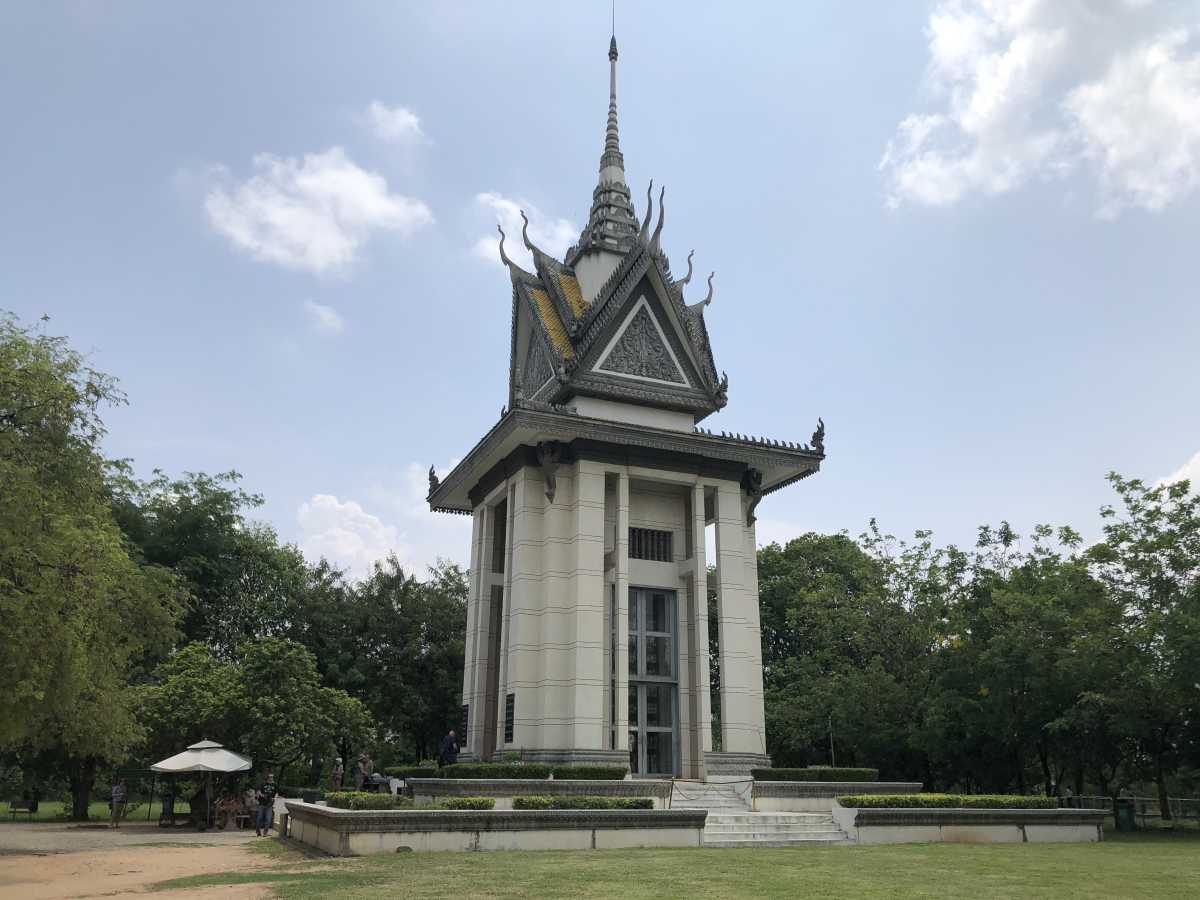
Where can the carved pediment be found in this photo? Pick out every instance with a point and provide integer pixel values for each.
(640, 350)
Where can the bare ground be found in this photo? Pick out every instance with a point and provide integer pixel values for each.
(54, 862)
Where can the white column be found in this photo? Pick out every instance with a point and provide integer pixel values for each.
(621, 644)
(473, 677)
(588, 713)
(742, 727)
(700, 592)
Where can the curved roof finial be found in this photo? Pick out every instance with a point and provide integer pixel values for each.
(503, 256)
(645, 232)
(655, 243)
(525, 231)
(708, 297)
(688, 277)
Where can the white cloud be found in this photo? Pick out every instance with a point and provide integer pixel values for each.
(346, 534)
(1189, 470)
(394, 124)
(324, 319)
(312, 213)
(1039, 89)
(549, 235)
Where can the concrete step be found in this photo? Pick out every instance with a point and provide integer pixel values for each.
(771, 817)
(815, 841)
(769, 828)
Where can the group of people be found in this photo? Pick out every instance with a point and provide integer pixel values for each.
(363, 770)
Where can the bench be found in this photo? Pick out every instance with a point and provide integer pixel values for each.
(29, 807)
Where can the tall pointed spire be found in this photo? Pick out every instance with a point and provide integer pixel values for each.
(611, 224)
(612, 163)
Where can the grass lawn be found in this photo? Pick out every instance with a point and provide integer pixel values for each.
(49, 811)
(1158, 865)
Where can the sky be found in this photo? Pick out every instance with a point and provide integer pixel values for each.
(962, 232)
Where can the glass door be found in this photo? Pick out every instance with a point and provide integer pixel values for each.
(653, 682)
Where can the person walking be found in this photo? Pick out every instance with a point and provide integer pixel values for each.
(120, 797)
(266, 805)
(448, 751)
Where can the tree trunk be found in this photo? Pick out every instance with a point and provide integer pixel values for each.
(1079, 781)
(82, 778)
(1160, 781)
(1047, 775)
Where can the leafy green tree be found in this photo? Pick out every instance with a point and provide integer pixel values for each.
(1150, 559)
(244, 583)
(77, 614)
(268, 703)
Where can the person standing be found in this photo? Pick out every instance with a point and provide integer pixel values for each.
(266, 805)
(120, 796)
(448, 752)
(339, 773)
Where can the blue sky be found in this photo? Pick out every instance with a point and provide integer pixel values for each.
(961, 231)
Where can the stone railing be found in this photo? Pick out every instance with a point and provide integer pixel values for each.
(975, 826)
(341, 832)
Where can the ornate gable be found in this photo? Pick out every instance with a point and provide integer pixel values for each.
(640, 350)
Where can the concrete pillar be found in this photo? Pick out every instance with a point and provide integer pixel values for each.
(621, 643)
(699, 581)
(742, 717)
(587, 588)
(472, 692)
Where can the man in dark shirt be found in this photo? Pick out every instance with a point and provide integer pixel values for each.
(266, 805)
(448, 752)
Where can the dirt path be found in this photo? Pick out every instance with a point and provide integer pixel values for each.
(49, 871)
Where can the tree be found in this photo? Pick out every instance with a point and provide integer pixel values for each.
(77, 614)
(244, 583)
(1150, 559)
(268, 703)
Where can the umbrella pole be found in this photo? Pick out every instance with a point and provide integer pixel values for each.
(150, 804)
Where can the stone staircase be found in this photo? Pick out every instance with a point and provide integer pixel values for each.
(764, 829)
(732, 823)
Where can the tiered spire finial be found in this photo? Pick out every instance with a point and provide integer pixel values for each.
(611, 224)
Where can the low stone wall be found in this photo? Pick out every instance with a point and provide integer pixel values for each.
(819, 796)
(343, 832)
(970, 826)
(504, 789)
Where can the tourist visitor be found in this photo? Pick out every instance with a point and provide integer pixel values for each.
(360, 771)
(266, 805)
(339, 773)
(448, 752)
(120, 796)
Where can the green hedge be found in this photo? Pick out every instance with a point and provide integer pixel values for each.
(815, 773)
(467, 803)
(362, 800)
(543, 802)
(420, 770)
(296, 791)
(590, 773)
(535, 771)
(530, 771)
(947, 801)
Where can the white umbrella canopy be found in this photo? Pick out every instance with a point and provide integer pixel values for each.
(204, 756)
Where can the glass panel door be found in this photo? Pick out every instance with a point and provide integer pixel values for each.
(653, 688)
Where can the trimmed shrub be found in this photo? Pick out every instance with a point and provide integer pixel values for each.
(420, 770)
(815, 773)
(543, 802)
(467, 803)
(294, 792)
(947, 801)
(363, 800)
(590, 773)
(533, 771)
